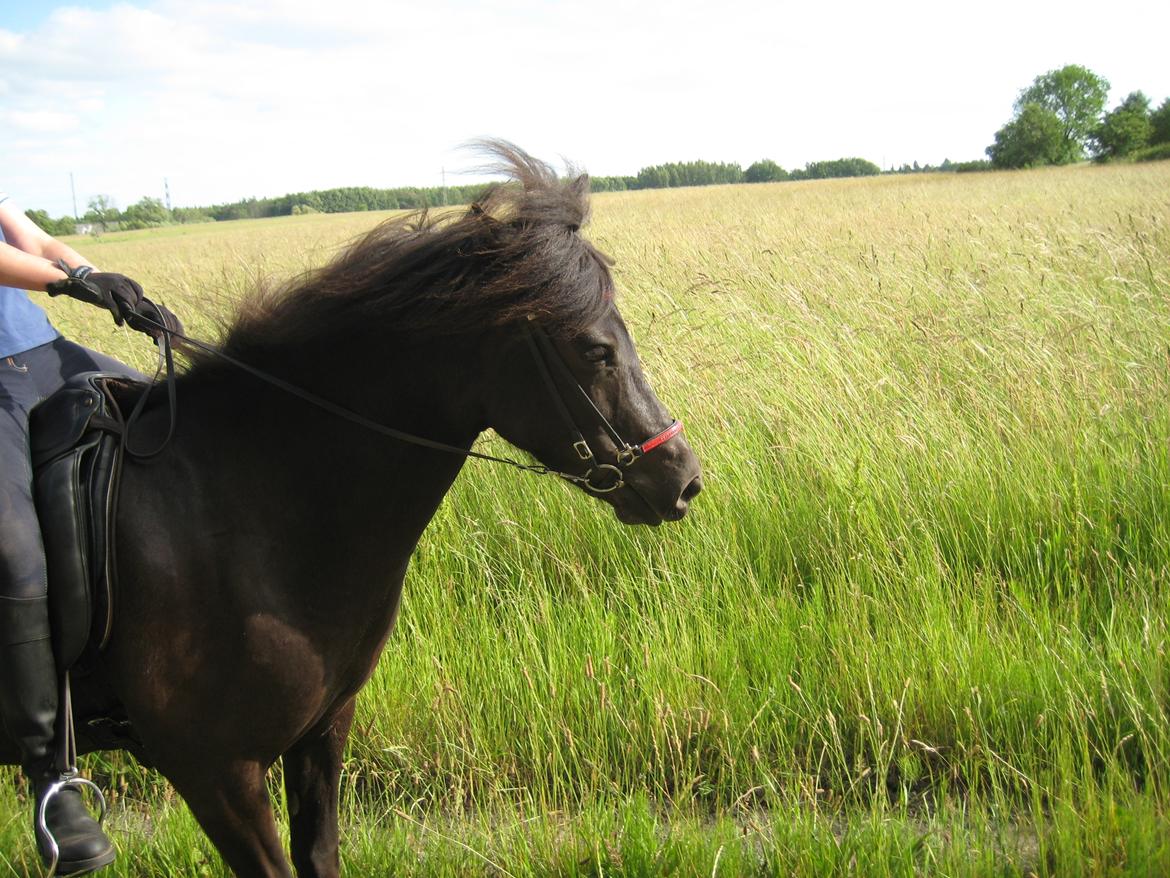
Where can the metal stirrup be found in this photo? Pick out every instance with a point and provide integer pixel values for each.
(42, 826)
(68, 778)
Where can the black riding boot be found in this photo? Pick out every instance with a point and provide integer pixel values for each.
(28, 704)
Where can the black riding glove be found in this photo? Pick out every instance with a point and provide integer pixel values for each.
(115, 292)
(153, 319)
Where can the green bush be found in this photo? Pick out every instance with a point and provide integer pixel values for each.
(1033, 138)
(823, 170)
(1124, 130)
(66, 225)
(764, 171)
(1160, 124)
(1153, 153)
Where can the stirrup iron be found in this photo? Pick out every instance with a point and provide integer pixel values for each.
(68, 776)
(70, 779)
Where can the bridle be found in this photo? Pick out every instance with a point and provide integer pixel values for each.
(599, 478)
(608, 476)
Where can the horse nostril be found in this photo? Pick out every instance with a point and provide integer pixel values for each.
(692, 489)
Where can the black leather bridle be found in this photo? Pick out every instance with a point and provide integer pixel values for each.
(599, 478)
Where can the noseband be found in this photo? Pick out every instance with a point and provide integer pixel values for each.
(600, 478)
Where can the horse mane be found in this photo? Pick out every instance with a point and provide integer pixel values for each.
(516, 252)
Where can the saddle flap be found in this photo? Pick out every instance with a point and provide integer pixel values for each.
(75, 436)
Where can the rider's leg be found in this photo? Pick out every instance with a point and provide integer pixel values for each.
(73, 359)
(28, 673)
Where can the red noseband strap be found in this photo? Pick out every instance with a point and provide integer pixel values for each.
(663, 437)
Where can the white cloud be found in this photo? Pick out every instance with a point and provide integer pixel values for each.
(36, 121)
(229, 99)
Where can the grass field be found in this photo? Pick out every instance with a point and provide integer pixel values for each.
(917, 622)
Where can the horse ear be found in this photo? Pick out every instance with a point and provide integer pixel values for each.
(579, 188)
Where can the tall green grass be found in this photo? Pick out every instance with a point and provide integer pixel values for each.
(917, 621)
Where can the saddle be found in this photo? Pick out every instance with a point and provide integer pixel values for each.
(76, 443)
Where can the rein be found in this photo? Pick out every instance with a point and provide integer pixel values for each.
(626, 454)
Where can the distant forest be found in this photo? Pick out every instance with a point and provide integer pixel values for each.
(103, 215)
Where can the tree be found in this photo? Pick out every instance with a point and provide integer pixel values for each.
(764, 171)
(191, 215)
(66, 225)
(1077, 97)
(653, 177)
(146, 213)
(102, 211)
(1124, 130)
(1160, 124)
(611, 184)
(1034, 137)
(849, 167)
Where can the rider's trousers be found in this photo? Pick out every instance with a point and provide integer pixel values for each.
(28, 684)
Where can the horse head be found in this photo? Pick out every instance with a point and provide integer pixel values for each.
(566, 384)
(580, 403)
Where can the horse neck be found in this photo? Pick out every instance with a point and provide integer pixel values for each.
(414, 385)
(269, 515)
(358, 498)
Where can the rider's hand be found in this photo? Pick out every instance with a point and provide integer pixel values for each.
(115, 292)
(153, 319)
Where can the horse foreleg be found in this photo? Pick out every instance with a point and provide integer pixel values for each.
(232, 806)
(312, 773)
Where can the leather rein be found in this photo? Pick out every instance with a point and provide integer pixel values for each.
(599, 478)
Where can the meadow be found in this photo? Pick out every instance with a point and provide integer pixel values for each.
(916, 624)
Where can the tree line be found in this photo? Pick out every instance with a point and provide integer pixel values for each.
(103, 215)
(700, 173)
(1061, 117)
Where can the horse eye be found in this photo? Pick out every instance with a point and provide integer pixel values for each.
(597, 354)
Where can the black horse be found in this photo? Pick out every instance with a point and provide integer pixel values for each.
(261, 555)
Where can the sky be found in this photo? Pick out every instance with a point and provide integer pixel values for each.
(221, 100)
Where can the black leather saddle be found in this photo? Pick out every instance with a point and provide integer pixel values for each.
(76, 441)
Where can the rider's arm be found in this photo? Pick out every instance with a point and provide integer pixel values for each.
(28, 260)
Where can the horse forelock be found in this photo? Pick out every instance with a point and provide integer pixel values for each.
(515, 253)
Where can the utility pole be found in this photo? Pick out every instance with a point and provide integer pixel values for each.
(167, 190)
(444, 170)
(73, 189)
